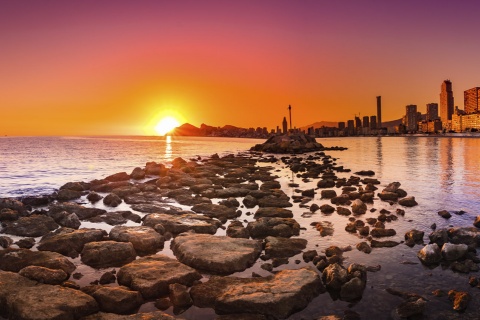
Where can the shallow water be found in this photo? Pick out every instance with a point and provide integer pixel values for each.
(440, 172)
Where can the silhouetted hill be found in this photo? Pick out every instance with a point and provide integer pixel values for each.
(186, 129)
(320, 124)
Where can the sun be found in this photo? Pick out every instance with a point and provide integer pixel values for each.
(166, 125)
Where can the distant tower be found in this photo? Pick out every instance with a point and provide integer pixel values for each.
(290, 112)
(432, 111)
(366, 122)
(373, 122)
(379, 111)
(446, 101)
(411, 117)
(284, 124)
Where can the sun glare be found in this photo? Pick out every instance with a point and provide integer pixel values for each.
(166, 125)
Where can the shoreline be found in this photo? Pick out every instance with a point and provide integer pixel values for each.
(298, 179)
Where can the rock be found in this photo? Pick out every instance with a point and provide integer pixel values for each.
(439, 237)
(408, 202)
(44, 275)
(67, 195)
(217, 211)
(411, 307)
(278, 247)
(325, 183)
(35, 225)
(237, 230)
(76, 186)
(380, 232)
(365, 173)
(383, 244)
(154, 315)
(5, 241)
(25, 243)
(358, 207)
(14, 205)
(107, 277)
(476, 223)
(308, 193)
(415, 236)
(328, 194)
(276, 227)
(352, 290)
(249, 201)
(105, 254)
(8, 214)
(444, 214)
(112, 200)
(314, 208)
(81, 211)
(152, 275)
(343, 211)
(460, 299)
(276, 296)
(342, 200)
(180, 223)
(325, 228)
(215, 254)
(70, 242)
(430, 254)
(273, 212)
(451, 252)
(179, 296)
(122, 192)
(392, 187)
(21, 298)
(364, 247)
(334, 276)
(309, 255)
(273, 201)
(121, 176)
(388, 196)
(119, 300)
(94, 197)
(466, 235)
(145, 240)
(17, 259)
(327, 209)
(138, 173)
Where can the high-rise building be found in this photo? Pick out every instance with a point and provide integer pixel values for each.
(446, 101)
(351, 127)
(284, 125)
(432, 111)
(358, 122)
(411, 117)
(366, 122)
(379, 111)
(341, 125)
(471, 98)
(373, 122)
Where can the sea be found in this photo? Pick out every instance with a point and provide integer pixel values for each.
(441, 172)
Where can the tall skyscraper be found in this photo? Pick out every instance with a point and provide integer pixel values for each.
(366, 122)
(446, 101)
(432, 111)
(471, 99)
(411, 117)
(373, 122)
(284, 125)
(358, 122)
(379, 111)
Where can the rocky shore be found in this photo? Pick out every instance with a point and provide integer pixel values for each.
(234, 236)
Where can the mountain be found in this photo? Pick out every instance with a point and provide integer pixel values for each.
(186, 129)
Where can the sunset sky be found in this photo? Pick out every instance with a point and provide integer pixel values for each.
(118, 67)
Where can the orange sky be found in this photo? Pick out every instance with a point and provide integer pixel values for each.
(117, 67)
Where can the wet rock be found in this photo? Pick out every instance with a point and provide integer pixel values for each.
(44, 275)
(444, 214)
(35, 225)
(36, 201)
(179, 296)
(352, 290)
(237, 230)
(5, 241)
(145, 240)
(12, 204)
(413, 237)
(276, 296)
(25, 243)
(107, 277)
(70, 242)
(76, 186)
(439, 237)
(380, 232)
(249, 201)
(231, 192)
(155, 169)
(8, 215)
(343, 211)
(94, 197)
(154, 315)
(328, 194)
(408, 202)
(22, 298)
(466, 235)
(453, 252)
(358, 207)
(326, 183)
(388, 196)
(411, 307)
(17, 259)
(119, 300)
(476, 223)
(365, 173)
(276, 227)
(364, 247)
(314, 208)
(334, 276)
(383, 244)
(325, 228)
(112, 200)
(392, 187)
(179, 223)
(342, 199)
(278, 247)
(115, 218)
(308, 193)
(327, 209)
(121, 176)
(217, 211)
(273, 212)
(215, 254)
(309, 255)
(138, 173)
(273, 201)
(460, 299)
(152, 275)
(105, 254)
(81, 211)
(430, 254)
(67, 195)
(122, 192)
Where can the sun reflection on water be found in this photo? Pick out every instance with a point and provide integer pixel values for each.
(168, 148)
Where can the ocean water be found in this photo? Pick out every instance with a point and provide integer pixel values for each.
(440, 172)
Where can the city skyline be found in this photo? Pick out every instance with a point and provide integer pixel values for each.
(120, 67)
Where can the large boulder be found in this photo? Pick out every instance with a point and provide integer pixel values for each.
(119, 300)
(275, 227)
(408, 202)
(466, 235)
(218, 211)
(273, 212)
(276, 296)
(180, 223)
(145, 239)
(277, 247)
(153, 274)
(22, 298)
(44, 275)
(430, 254)
(35, 225)
(17, 259)
(105, 254)
(217, 254)
(358, 207)
(453, 252)
(70, 242)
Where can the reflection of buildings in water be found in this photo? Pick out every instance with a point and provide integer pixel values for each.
(168, 148)
(471, 163)
(432, 152)
(379, 146)
(446, 164)
(411, 145)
